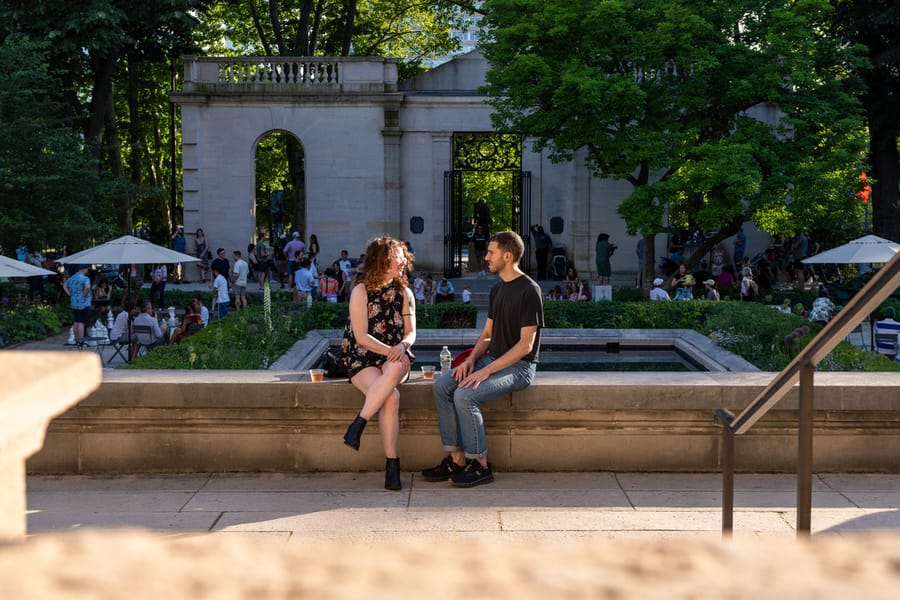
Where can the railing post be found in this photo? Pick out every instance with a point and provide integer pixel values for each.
(724, 417)
(805, 451)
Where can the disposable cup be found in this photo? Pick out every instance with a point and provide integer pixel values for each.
(427, 371)
(317, 375)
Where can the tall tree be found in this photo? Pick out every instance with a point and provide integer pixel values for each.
(679, 98)
(876, 25)
(47, 175)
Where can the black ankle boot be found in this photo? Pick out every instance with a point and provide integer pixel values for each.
(392, 474)
(354, 432)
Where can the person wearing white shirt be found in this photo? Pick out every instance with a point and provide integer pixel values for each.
(239, 275)
(657, 293)
(220, 286)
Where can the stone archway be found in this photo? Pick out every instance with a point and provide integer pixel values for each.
(280, 187)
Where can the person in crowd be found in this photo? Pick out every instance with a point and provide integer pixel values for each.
(148, 317)
(889, 326)
(343, 286)
(542, 246)
(556, 294)
(346, 266)
(290, 251)
(582, 292)
(191, 317)
(304, 282)
(178, 245)
(201, 245)
(221, 264)
(313, 248)
(711, 292)
(102, 294)
(822, 307)
(119, 332)
(266, 264)
(748, 286)
(725, 279)
(204, 312)
(220, 292)
(255, 268)
(329, 286)
(799, 251)
(377, 342)
(504, 360)
(466, 294)
(701, 273)
(657, 293)
(280, 259)
(429, 289)
(479, 244)
(78, 287)
(239, 276)
(158, 277)
(683, 282)
(419, 287)
(603, 250)
(739, 247)
(718, 259)
(444, 292)
(571, 281)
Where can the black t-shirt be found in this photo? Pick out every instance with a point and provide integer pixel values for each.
(513, 305)
(222, 266)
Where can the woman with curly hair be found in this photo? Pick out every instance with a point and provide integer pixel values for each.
(377, 341)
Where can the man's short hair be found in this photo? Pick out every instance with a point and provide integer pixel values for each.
(510, 241)
(147, 305)
(237, 253)
(889, 312)
(219, 250)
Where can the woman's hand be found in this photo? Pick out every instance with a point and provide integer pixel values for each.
(397, 352)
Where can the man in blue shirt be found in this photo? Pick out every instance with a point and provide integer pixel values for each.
(304, 281)
(78, 287)
(889, 326)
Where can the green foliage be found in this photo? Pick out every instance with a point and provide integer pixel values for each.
(761, 335)
(22, 322)
(446, 315)
(677, 98)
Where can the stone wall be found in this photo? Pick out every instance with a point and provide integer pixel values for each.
(182, 421)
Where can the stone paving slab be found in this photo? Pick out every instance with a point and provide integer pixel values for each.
(356, 520)
(743, 500)
(41, 521)
(341, 506)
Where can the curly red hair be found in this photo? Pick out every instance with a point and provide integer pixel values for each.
(379, 253)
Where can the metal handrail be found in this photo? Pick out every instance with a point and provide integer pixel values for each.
(801, 370)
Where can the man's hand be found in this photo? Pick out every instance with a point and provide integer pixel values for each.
(474, 379)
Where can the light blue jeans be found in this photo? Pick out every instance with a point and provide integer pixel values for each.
(459, 409)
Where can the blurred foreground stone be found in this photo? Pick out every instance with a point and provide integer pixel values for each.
(134, 564)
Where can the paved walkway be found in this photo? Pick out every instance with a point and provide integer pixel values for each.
(516, 507)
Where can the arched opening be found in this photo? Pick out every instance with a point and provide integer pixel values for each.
(280, 185)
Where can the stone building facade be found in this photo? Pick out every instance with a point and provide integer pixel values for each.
(378, 157)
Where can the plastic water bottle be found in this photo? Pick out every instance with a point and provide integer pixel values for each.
(446, 360)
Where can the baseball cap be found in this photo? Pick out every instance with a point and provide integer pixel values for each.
(709, 282)
(295, 234)
(658, 281)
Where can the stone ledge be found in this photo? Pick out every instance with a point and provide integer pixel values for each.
(179, 421)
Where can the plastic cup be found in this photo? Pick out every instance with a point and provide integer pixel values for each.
(317, 375)
(427, 371)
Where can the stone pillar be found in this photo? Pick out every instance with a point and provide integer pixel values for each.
(391, 134)
(34, 388)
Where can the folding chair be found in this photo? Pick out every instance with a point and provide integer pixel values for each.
(146, 332)
(118, 347)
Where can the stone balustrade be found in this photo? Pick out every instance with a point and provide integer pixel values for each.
(34, 388)
(297, 75)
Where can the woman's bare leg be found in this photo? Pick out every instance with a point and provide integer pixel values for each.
(382, 397)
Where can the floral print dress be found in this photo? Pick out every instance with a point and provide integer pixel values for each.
(385, 312)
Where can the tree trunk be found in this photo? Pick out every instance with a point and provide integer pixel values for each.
(298, 182)
(348, 27)
(302, 45)
(124, 197)
(885, 198)
(101, 95)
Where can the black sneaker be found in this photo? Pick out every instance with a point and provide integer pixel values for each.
(474, 474)
(443, 471)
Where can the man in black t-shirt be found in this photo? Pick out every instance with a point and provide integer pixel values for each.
(512, 336)
(221, 264)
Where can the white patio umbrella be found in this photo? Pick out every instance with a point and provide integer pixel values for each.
(867, 249)
(10, 267)
(127, 250)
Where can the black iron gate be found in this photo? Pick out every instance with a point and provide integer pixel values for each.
(457, 222)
